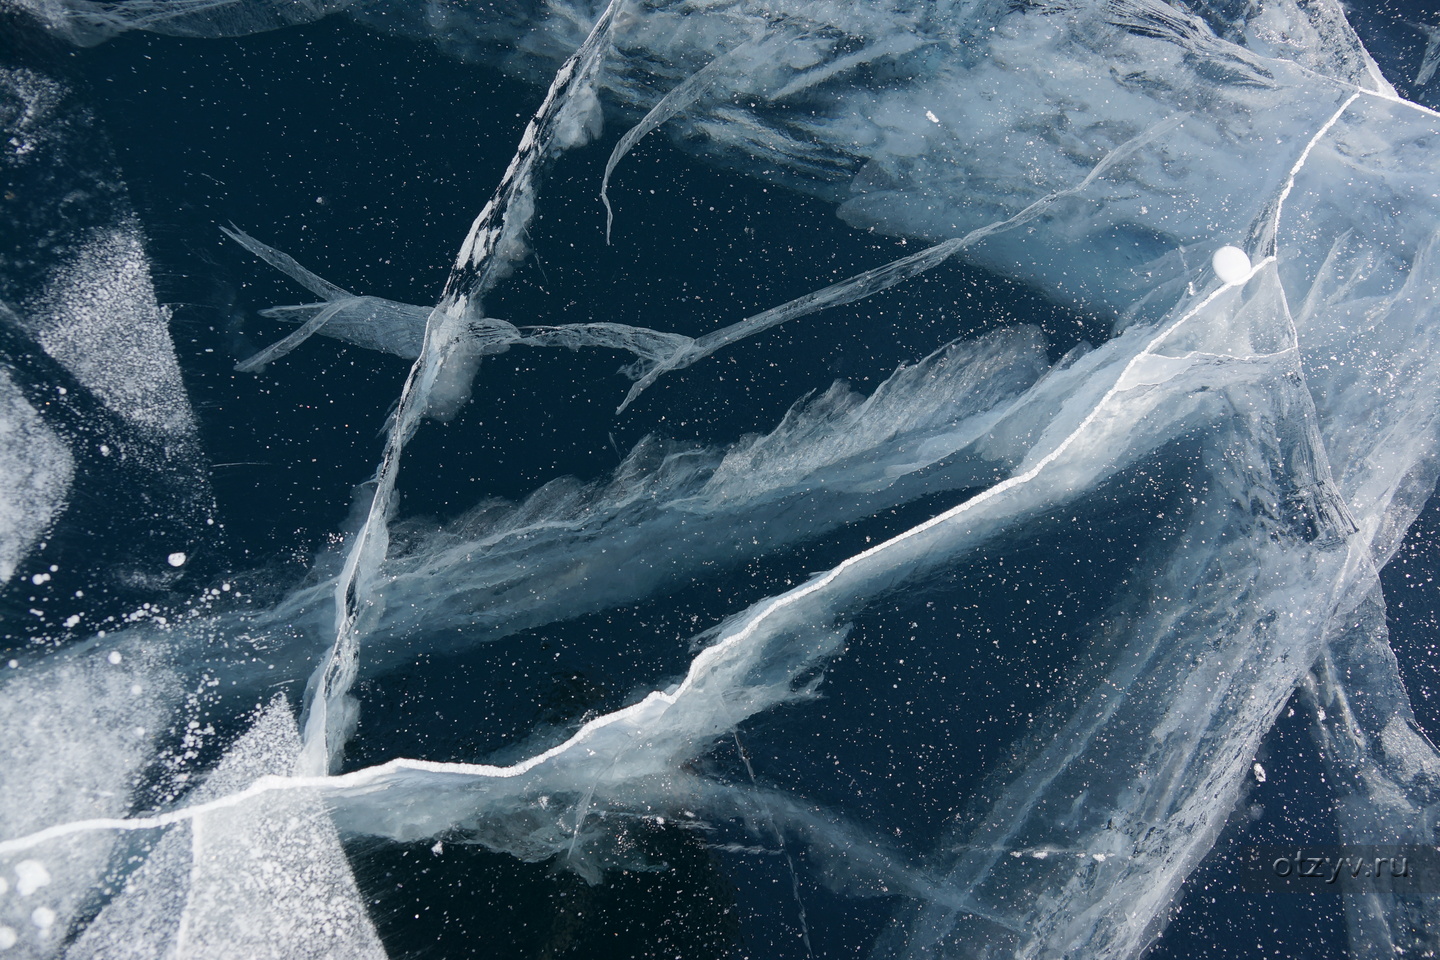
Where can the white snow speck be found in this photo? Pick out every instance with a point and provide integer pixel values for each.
(1259, 773)
(177, 559)
(115, 656)
(42, 917)
(8, 937)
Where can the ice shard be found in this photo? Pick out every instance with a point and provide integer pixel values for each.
(264, 880)
(973, 659)
(95, 406)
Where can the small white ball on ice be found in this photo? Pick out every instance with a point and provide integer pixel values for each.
(1231, 264)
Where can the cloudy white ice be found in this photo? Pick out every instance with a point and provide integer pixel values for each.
(1239, 188)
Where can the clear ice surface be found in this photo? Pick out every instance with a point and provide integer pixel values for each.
(1247, 452)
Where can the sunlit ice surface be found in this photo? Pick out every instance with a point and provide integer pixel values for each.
(981, 497)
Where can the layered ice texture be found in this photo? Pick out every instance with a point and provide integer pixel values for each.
(1196, 509)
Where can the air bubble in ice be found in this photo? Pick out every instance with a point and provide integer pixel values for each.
(30, 875)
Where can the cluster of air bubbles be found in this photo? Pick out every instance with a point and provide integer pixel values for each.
(30, 877)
